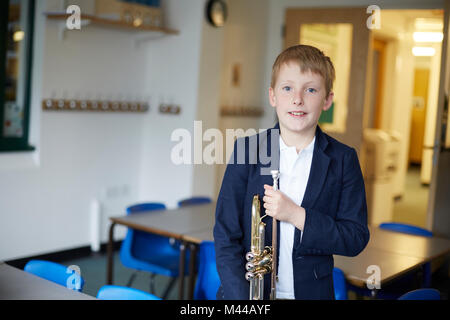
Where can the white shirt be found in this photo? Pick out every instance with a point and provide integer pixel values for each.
(294, 173)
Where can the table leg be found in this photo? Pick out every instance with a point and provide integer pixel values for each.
(110, 267)
(193, 257)
(181, 270)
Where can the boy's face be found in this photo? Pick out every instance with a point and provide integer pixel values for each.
(299, 98)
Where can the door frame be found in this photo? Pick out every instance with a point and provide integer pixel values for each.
(438, 202)
(359, 82)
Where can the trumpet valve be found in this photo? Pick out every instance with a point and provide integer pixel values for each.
(249, 266)
(250, 256)
(249, 276)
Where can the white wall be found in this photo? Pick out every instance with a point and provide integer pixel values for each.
(208, 105)
(247, 20)
(172, 76)
(121, 158)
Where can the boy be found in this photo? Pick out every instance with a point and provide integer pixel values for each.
(320, 206)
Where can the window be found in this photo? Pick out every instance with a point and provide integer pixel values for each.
(16, 42)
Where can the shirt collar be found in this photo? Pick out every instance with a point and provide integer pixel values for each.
(309, 148)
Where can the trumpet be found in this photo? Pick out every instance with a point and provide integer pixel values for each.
(261, 259)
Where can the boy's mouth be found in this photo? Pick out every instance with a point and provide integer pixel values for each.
(297, 114)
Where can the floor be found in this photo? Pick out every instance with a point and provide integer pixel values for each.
(412, 207)
(93, 271)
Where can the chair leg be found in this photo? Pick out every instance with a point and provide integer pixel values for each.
(426, 282)
(133, 276)
(169, 287)
(152, 283)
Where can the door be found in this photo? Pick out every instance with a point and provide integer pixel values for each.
(378, 67)
(343, 35)
(438, 213)
(418, 115)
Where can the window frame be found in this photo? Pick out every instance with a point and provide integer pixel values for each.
(10, 144)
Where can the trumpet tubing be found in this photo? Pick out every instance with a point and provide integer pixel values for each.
(261, 259)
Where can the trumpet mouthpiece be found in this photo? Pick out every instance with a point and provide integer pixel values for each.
(275, 173)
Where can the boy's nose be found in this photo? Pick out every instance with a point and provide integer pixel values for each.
(298, 99)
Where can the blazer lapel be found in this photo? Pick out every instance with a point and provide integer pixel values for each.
(268, 159)
(317, 175)
(318, 172)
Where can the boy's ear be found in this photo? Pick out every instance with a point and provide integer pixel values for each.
(328, 101)
(272, 98)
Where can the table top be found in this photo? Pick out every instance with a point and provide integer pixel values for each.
(16, 284)
(391, 265)
(172, 222)
(426, 248)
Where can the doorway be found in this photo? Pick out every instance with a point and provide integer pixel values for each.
(410, 41)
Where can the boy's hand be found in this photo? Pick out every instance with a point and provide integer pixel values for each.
(282, 208)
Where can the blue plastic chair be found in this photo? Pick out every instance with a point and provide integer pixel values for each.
(56, 273)
(422, 294)
(208, 280)
(339, 283)
(110, 292)
(405, 228)
(414, 230)
(150, 252)
(194, 201)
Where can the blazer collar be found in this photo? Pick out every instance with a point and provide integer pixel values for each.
(269, 145)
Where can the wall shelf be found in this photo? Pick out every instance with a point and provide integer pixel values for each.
(94, 105)
(148, 32)
(241, 111)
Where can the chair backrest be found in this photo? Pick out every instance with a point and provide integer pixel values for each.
(193, 201)
(140, 244)
(148, 206)
(56, 273)
(208, 280)
(422, 294)
(340, 286)
(406, 228)
(110, 292)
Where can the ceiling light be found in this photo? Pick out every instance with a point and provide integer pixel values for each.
(428, 36)
(18, 36)
(423, 51)
(428, 24)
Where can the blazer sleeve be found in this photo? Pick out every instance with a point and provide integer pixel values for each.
(347, 234)
(228, 233)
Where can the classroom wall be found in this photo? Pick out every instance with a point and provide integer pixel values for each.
(116, 158)
(247, 20)
(208, 96)
(120, 159)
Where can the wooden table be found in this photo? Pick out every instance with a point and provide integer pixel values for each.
(174, 223)
(425, 248)
(394, 253)
(16, 284)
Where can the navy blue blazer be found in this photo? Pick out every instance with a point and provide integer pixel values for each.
(335, 205)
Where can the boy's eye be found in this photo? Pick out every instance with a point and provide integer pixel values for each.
(311, 90)
(286, 88)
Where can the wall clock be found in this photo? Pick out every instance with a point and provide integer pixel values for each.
(216, 12)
